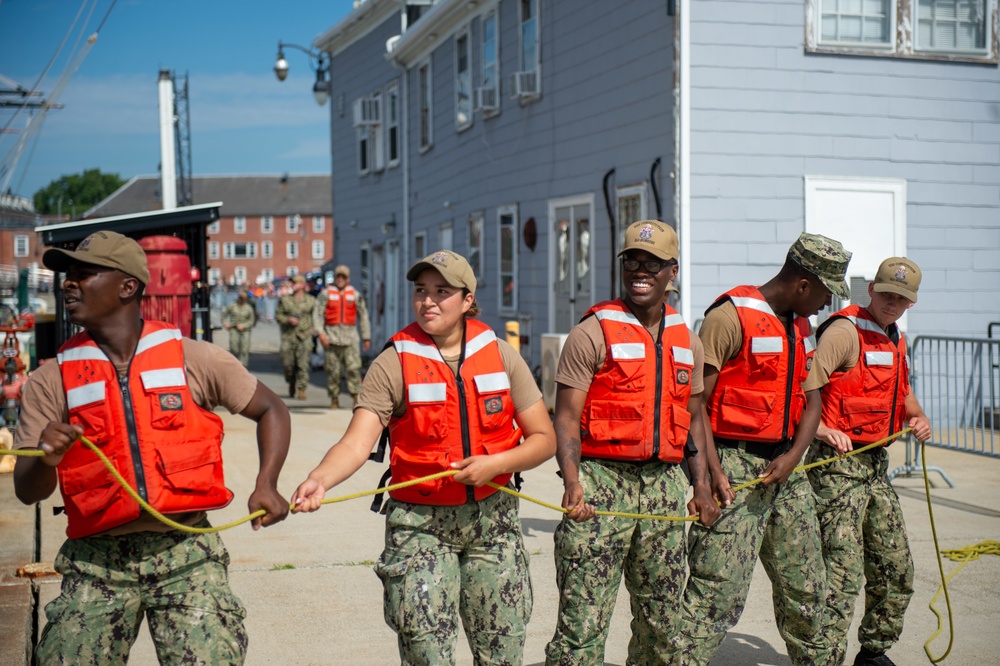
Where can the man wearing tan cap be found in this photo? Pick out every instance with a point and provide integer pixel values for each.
(143, 393)
(339, 311)
(757, 354)
(629, 393)
(860, 367)
(295, 320)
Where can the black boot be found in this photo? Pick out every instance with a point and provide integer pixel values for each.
(868, 658)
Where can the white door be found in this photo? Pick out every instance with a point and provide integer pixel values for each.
(572, 262)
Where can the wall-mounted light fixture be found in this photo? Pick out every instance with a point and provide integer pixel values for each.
(318, 62)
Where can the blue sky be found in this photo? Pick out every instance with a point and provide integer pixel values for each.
(242, 119)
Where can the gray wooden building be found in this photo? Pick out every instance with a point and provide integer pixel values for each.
(526, 134)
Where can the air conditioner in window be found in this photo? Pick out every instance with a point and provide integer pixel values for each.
(552, 344)
(367, 111)
(524, 84)
(486, 98)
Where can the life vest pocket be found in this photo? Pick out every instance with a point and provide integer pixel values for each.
(626, 373)
(167, 409)
(426, 404)
(191, 467)
(880, 371)
(765, 357)
(865, 418)
(92, 415)
(493, 401)
(613, 420)
(746, 409)
(90, 487)
(414, 462)
(680, 422)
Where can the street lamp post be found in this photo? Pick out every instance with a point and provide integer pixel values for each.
(318, 62)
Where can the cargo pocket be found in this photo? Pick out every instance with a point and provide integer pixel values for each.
(394, 596)
(680, 420)
(614, 421)
(419, 461)
(91, 486)
(190, 469)
(746, 409)
(863, 416)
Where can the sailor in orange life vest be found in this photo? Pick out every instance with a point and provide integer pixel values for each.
(860, 367)
(453, 397)
(757, 354)
(143, 393)
(629, 393)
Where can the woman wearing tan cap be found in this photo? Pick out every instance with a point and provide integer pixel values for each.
(453, 397)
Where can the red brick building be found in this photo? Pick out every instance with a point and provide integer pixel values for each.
(269, 226)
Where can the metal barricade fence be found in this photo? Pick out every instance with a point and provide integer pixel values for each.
(957, 382)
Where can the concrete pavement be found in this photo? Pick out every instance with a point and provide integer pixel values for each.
(312, 598)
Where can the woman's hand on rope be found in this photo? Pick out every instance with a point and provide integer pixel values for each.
(56, 440)
(476, 470)
(268, 500)
(308, 497)
(704, 506)
(573, 501)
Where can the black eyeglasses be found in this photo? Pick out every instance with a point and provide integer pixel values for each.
(651, 265)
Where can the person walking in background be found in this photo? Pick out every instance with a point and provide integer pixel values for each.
(629, 392)
(454, 397)
(238, 318)
(342, 311)
(295, 318)
(860, 368)
(143, 393)
(757, 354)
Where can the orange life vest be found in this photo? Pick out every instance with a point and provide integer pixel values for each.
(758, 396)
(449, 419)
(164, 445)
(637, 404)
(340, 306)
(868, 402)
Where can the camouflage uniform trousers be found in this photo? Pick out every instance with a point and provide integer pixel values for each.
(347, 357)
(442, 562)
(592, 556)
(863, 534)
(178, 581)
(239, 345)
(295, 355)
(779, 525)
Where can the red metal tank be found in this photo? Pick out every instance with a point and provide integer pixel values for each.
(168, 294)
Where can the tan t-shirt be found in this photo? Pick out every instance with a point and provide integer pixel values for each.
(584, 352)
(215, 377)
(382, 391)
(837, 350)
(722, 334)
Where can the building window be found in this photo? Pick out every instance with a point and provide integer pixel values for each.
(463, 80)
(319, 224)
(445, 236)
(392, 122)
(527, 81)
(475, 255)
(426, 106)
(267, 249)
(507, 266)
(488, 93)
(364, 149)
(420, 245)
(240, 274)
(957, 30)
(292, 250)
(213, 249)
(292, 224)
(213, 227)
(214, 276)
(368, 124)
(377, 136)
(292, 271)
(318, 249)
(239, 225)
(266, 275)
(267, 225)
(239, 251)
(22, 246)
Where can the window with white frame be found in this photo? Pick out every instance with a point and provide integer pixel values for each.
(318, 249)
(420, 244)
(926, 29)
(240, 274)
(377, 133)
(239, 250)
(463, 80)
(213, 227)
(392, 122)
(239, 224)
(214, 275)
(475, 255)
(368, 129)
(364, 149)
(507, 266)
(445, 236)
(267, 249)
(213, 249)
(292, 223)
(267, 225)
(488, 93)
(319, 224)
(22, 245)
(292, 271)
(526, 81)
(292, 250)
(425, 100)
(266, 275)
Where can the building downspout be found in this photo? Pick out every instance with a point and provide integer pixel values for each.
(684, 167)
(404, 159)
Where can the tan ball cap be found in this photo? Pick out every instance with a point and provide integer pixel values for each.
(342, 270)
(898, 275)
(102, 248)
(452, 267)
(653, 236)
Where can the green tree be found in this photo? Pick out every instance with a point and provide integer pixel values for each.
(76, 193)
